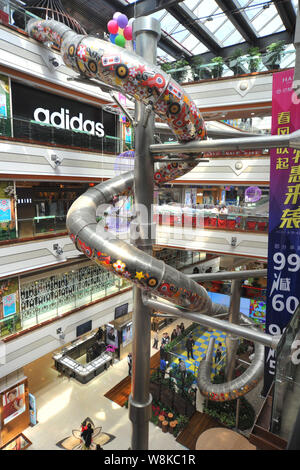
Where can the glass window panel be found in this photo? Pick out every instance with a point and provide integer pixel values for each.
(274, 26)
(199, 49)
(190, 42)
(233, 38)
(168, 23)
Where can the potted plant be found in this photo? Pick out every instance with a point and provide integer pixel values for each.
(274, 55)
(177, 69)
(254, 59)
(236, 62)
(199, 70)
(218, 67)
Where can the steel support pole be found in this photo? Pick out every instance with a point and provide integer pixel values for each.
(241, 143)
(232, 341)
(146, 31)
(225, 275)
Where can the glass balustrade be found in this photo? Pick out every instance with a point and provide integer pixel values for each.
(47, 134)
(50, 297)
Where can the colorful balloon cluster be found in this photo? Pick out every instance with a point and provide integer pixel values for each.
(120, 29)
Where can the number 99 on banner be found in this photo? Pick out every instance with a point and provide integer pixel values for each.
(293, 262)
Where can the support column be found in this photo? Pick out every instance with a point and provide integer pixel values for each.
(232, 342)
(146, 32)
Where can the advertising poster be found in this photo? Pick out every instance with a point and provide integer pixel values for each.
(257, 310)
(32, 409)
(9, 300)
(284, 220)
(112, 336)
(13, 403)
(5, 210)
(9, 305)
(5, 127)
(127, 334)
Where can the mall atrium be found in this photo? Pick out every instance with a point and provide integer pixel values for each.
(149, 225)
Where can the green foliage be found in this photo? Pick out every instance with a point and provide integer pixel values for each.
(159, 408)
(225, 412)
(218, 67)
(274, 54)
(254, 59)
(235, 61)
(177, 69)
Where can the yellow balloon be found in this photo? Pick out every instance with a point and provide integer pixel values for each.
(120, 31)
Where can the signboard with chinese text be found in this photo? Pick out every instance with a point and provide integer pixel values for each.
(283, 292)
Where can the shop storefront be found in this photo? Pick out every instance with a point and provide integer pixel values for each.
(47, 118)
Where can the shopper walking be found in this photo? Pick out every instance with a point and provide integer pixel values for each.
(181, 327)
(189, 346)
(129, 362)
(218, 353)
(87, 436)
(173, 335)
(155, 340)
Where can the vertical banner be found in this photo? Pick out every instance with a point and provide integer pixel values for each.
(5, 127)
(283, 292)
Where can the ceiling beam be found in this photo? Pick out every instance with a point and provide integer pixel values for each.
(263, 43)
(287, 13)
(171, 47)
(147, 7)
(190, 21)
(240, 20)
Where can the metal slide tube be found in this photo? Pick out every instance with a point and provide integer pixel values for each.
(250, 378)
(240, 143)
(129, 73)
(228, 275)
(211, 322)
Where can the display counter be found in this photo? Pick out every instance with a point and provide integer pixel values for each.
(65, 361)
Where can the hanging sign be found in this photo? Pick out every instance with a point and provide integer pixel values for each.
(284, 220)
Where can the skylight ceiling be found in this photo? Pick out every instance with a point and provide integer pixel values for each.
(202, 27)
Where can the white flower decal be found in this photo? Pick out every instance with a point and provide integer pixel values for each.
(119, 266)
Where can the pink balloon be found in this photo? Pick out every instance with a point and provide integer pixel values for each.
(128, 33)
(113, 27)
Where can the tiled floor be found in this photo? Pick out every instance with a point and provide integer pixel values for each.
(63, 403)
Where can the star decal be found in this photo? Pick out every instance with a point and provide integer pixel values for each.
(140, 275)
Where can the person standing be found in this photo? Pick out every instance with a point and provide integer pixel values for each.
(173, 335)
(155, 340)
(87, 436)
(129, 362)
(181, 326)
(182, 369)
(163, 366)
(218, 353)
(189, 346)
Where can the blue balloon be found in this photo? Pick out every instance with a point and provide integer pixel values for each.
(112, 38)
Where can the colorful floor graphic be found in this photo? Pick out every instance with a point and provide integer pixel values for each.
(201, 344)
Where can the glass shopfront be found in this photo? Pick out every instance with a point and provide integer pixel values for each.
(47, 118)
(52, 293)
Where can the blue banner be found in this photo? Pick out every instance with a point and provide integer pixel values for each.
(283, 292)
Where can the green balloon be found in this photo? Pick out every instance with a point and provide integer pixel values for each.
(120, 40)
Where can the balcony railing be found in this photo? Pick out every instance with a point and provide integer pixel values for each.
(35, 311)
(231, 67)
(25, 130)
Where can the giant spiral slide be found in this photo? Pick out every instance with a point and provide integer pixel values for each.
(125, 71)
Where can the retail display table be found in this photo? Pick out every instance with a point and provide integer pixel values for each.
(65, 361)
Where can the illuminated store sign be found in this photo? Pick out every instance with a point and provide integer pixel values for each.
(45, 117)
(63, 120)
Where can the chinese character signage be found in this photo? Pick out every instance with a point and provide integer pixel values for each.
(283, 292)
